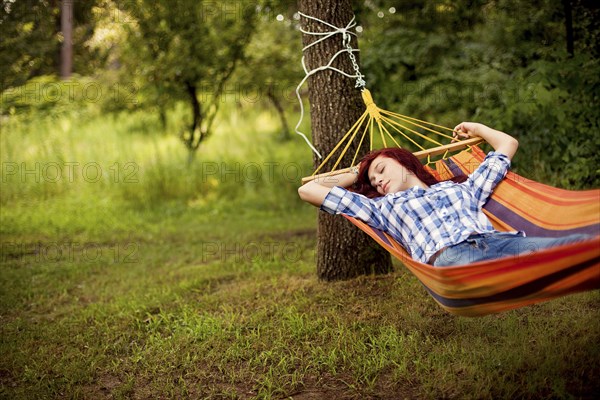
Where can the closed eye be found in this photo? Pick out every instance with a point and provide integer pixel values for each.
(379, 167)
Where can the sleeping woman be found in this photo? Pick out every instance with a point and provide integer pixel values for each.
(439, 223)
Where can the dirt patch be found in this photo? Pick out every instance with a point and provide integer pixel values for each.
(341, 387)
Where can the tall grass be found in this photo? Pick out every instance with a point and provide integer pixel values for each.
(73, 171)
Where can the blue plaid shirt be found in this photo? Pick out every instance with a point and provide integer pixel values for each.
(426, 220)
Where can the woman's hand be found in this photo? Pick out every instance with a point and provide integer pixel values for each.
(500, 141)
(468, 130)
(315, 191)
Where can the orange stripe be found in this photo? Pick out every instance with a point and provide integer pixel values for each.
(576, 219)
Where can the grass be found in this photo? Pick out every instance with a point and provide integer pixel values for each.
(198, 284)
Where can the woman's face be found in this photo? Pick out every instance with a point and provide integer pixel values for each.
(389, 176)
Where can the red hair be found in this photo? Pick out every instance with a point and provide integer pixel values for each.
(407, 159)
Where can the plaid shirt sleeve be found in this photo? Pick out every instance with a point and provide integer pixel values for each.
(342, 201)
(484, 179)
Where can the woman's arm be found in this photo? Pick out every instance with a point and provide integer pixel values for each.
(315, 191)
(500, 141)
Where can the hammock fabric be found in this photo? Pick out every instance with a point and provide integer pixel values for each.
(517, 204)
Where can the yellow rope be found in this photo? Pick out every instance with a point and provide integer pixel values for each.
(371, 135)
(337, 146)
(418, 120)
(395, 125)
(415, 124)
(381, 133)
(360, 143)
(404, 135)
(372, 108)
(346, 148)
(397, 122)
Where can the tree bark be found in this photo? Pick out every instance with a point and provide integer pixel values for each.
(343, 251)
(66, 27)
(193, 141)
(569, 27)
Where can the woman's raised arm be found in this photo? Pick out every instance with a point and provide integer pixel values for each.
(500, 141)
(315, 191)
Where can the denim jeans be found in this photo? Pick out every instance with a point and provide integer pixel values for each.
(489, 246)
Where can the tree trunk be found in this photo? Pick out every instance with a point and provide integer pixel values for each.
(569, 26)
(162, 113)
(285, 130)
(193, 140)
(343, 251)
(66, 27)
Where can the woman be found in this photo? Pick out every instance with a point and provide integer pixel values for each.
(440, 223)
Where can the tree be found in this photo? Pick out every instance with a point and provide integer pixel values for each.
(66, 27)
(343, 251)
(30, 39)
(186, 49)
(267, 73)
(28, 42)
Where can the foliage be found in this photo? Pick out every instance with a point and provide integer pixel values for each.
(555, 117)
(502, 63)
(30, 41)
(270, 73)
(46, 95)
(49, 155)
(187, 48)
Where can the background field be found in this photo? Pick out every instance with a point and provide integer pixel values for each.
(165, 280)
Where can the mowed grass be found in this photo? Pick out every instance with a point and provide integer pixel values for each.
(197, 284)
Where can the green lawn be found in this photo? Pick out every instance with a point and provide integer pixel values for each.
(180, 287)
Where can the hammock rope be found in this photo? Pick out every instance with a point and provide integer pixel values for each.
(375, 121)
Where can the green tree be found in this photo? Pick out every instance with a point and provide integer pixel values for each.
(188, 50)
(30, 40)
(270, 72)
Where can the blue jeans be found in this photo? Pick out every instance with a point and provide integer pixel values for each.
(489, 246)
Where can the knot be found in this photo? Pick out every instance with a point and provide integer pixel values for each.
(345, 31)
(370, 104)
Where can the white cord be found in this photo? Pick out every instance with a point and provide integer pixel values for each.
(348, 49)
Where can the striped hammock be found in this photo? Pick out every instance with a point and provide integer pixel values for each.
(517, 204)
